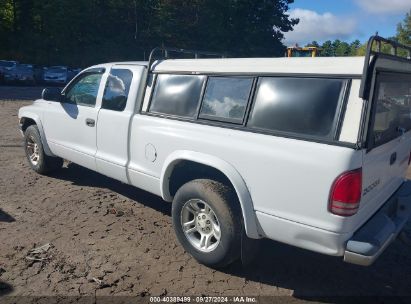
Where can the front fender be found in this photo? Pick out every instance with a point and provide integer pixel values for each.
(25, 112)
(227, 169)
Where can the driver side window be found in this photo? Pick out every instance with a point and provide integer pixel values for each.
(84, 91)
(117, 89)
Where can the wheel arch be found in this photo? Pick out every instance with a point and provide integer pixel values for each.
(27, 119)
(226, 169)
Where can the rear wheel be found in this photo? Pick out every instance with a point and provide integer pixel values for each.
(207, 222)
(38, 160)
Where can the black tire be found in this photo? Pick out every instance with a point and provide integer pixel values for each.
(44, 164)
(224, 203)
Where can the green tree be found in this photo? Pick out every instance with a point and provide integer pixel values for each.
(404, 30)
(241, 27)
(84, 32)
(327, 49)
(341, 48)
(313, 44)
(354, 46)
(361, 50)
(403, 36)
(404, 33)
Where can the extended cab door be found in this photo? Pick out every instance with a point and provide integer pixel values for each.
(122, 89)
(70, 126)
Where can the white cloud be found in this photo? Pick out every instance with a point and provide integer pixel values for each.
(319, 27)
(223, 108)
(385, 6)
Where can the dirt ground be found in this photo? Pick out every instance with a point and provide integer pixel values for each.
(134, 252)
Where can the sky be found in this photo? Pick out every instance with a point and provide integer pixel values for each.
(346, 20)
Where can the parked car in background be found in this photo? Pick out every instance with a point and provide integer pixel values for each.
(73, 73)
(20, 74)
(56, 75)
(6, 65)
(39, 73)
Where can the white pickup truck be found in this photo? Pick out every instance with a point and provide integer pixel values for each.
(311, 152)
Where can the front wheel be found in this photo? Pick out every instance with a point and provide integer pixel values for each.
(38, 160)
(207, 221)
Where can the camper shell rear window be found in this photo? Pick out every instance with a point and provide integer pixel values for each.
(392, 113)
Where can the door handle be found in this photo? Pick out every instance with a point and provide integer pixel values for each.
(393, 158)
(90, 122)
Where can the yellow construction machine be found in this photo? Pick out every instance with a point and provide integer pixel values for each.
(308, 51)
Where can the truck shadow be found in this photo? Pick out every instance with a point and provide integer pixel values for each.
(5, 217)
(322, 278)
(5, 288)
(311, 276)
(81, 176)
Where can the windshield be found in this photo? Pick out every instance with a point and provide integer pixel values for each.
(6, 64)
(393, 108)
(302, 53)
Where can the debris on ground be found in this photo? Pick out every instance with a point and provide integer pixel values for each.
(111, 209)
(39, 254)
(99, 282)
(115, 211)
(41, 249)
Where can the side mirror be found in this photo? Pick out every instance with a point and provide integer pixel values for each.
(51, 94)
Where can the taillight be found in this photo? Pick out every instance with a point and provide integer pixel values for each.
(345, 194)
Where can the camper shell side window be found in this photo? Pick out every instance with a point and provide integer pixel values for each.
(305, 107)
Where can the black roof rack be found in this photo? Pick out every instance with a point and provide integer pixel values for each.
(371, 50)
(165, 53)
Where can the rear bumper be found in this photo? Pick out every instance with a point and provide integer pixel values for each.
(367, 244)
